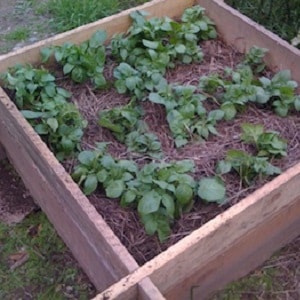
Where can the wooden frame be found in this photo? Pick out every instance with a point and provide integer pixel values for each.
(224, 249)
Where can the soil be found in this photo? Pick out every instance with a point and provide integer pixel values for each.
(15, 200)
(205, 154)
(21, 14)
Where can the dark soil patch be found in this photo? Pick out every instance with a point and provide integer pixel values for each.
(15, 200)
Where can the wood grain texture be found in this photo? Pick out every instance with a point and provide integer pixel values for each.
(2, 152)
(92, 242)
(148, 291)
(226, 247)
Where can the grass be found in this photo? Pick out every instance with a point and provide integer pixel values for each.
(18, 35)
(258, 283)
(69, 14)
(48, 272)
(280, 16)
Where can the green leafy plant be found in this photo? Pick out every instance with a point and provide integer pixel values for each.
(159, 191)
(121, 120)
(151, 46)
(281, 90)
(254, 58)
(166, 190)
(46, 108)
(136, 82)
(99, 167)
(126, 125)
(247, 166)
(81, 62)
(144, 142)
(212, 189)
(157, 42)
(186, 114)
(242, 87)
(267, 143)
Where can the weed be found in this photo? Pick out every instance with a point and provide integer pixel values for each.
(18, 35)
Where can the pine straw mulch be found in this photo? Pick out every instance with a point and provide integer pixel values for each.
(125, 221)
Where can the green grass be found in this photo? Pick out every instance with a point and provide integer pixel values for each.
(18, 35)
(69, 14)
(280, 16)
(48, 273)
(252, 286)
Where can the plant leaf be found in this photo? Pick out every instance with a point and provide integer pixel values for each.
(184, 193)
(149, 203)
(115, 189)
(90, 184)
(212, 189)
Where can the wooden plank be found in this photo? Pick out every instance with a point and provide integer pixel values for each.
(97, 249)
(114, 24)
(259, 224)
(249, 252)
(243, 33)
(148, 291)
(2, 152)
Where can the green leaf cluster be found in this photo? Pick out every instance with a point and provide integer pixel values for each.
(246, 165)
(136, 82)
(160, 191)
(281, 90)
(166, 190)
(144, 142)
(268, 143)
(152, 45)
(158, 42)
(46, 108)
(99, 167)
(242, 86)
(255, 58)
(186, 114)
(126, 125)
(121, 120)
(81, 62)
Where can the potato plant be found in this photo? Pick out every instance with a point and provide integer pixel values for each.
(46, 108)
(159, 190)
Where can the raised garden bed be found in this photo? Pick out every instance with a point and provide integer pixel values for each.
(229, 243)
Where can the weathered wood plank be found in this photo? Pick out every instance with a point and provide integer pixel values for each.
(2, 152)
(240, 31)
(114, 24)
(213, 255)
(99, 252)
(148, 291)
